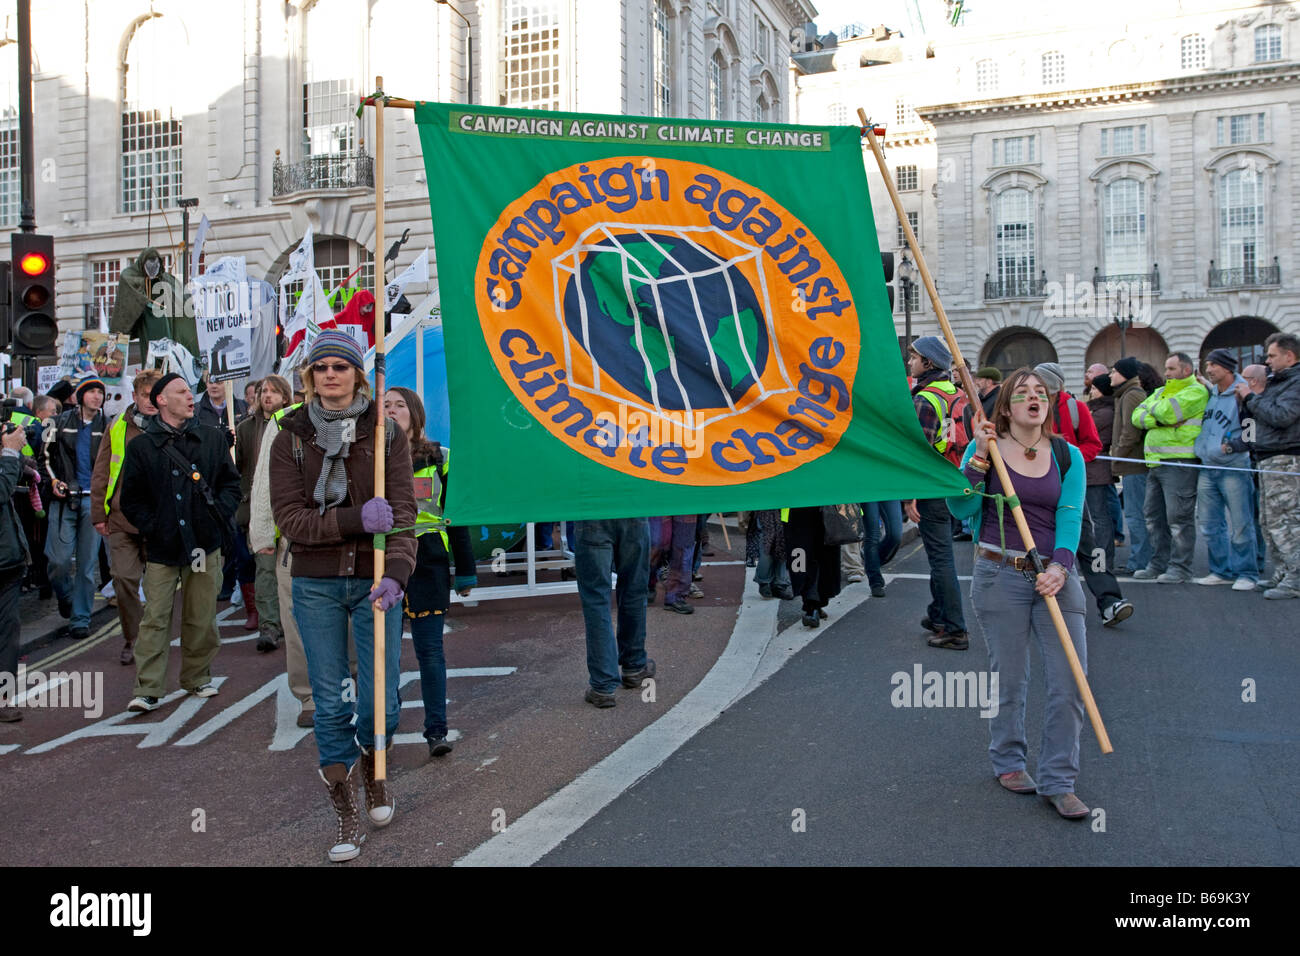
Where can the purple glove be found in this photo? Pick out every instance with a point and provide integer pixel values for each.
(387, 592)
(376, 516)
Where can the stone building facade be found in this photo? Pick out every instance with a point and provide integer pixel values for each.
(1137, 168)
(248, 106)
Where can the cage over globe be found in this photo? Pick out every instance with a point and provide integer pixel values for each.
(675, 322)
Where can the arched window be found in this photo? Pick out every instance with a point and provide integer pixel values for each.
(151, 116)
(1053, 69)
(762, 112)
(661, 103)
(837, 114)
(1015, 242)
(331, 68)
(10, 174)
(717, 78)
(1241, 220)
(1268, 43)
(531, 54)
(1124, 227)
(986, 76)
(1193, 52)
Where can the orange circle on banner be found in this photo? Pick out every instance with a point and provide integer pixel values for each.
(669, 321)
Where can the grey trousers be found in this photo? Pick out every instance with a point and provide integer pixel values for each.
(1170, 512)
(1013, 615)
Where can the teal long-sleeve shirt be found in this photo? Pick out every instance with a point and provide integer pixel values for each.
(1069, 509)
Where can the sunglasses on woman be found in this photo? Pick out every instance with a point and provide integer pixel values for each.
(324, 367)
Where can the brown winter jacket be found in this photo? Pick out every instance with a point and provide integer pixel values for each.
(1126, 442)
(99, 477)
(335, 545)
(248, 440)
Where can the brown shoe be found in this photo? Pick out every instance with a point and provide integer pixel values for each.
(341, 783)
(10, 715)
(1018, 782)
(127, 656)
(1069, 806)
(306, 718)
(380, 805)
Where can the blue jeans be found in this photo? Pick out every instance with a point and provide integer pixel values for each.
(1011, 614)
(879, 547)
(1135, 522)
(426, 635)
(322, 608)
(936, 535)
(1116, 511)
(1223, 499)
(772, 571)
(71, 535)
(621, 545)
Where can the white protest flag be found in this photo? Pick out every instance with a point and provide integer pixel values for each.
(312, 309)
(103, 315)
(199, 238)
(417, 271)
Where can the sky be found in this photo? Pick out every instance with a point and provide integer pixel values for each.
(992, 16)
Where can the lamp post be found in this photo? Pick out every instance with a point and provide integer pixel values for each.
(1125, 322)
(469, 52)
(906, 271)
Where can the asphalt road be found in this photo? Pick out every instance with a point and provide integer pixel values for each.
(817, 767)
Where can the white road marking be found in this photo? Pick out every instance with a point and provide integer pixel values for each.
(544, 827)
(155, 733)
(7, 748)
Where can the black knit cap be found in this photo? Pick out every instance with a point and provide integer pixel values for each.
(159, 385)
(1128, 366)
(1223, 358)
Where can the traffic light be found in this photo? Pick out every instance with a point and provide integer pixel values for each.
(32, 326)
(887, 263)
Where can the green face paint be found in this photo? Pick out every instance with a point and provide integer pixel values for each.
(1019, 399)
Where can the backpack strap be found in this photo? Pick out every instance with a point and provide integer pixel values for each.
(1061, 452)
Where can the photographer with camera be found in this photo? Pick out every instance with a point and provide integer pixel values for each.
(71, 445)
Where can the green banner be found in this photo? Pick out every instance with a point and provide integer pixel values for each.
(647, 316)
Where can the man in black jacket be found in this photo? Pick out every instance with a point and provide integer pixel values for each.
(1276, 415)
(180, 489)
(70, 448)
(211, 410)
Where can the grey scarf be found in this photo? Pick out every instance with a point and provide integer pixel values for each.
(335, 432)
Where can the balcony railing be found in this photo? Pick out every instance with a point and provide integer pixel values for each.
(334, 171)
(1015, 288)
(1248, 277)
(1130, 280)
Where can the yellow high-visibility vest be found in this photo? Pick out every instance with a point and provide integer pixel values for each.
(117, 452)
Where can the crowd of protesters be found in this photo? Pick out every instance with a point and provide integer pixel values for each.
(273, 495)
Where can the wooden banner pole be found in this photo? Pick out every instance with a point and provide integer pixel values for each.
(381, 329)
(995, 456)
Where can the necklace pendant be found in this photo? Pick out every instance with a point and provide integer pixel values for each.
(1031, 453)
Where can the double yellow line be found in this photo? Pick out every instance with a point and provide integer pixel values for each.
(109, 630)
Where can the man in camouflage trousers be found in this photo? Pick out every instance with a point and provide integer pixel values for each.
(1276, 416)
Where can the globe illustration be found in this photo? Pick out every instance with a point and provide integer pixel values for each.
(713, 329)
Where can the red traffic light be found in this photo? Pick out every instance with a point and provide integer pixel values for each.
(33, 264)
